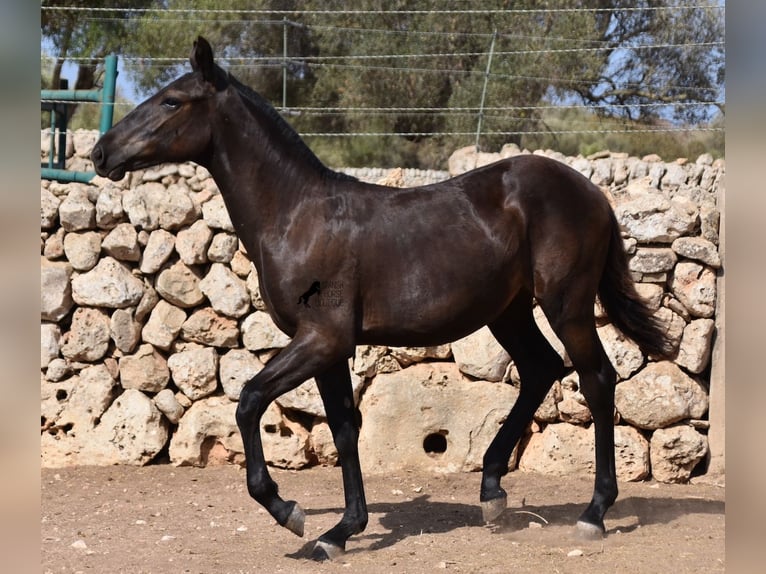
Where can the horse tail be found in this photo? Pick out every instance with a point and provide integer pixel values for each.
(627, 310)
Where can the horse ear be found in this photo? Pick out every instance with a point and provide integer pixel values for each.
(202, 59)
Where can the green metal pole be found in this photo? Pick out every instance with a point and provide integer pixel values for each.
(71, 95)
(66, 175)
(108, 91)
(484, 89)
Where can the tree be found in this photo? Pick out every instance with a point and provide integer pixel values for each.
(418, 68)
(85, 37)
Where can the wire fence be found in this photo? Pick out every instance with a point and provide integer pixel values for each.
(488, 119)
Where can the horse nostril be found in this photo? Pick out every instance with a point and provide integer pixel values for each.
(97, 155)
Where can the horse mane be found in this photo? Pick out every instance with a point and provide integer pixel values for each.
(263, 107)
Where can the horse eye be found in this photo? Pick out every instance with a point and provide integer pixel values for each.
(171, 103)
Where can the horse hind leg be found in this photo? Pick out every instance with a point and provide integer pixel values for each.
(539, 367)
(573, 322)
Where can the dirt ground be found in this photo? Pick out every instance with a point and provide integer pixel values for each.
(160, 519)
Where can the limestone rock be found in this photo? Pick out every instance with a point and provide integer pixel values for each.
(410, 355)
(322, 444)
(602, 172)
(651, 218)
(88, 336)
(122, 243)
(450, 420)
(675, 176)
(179, 284)
(70, 412)
(164, 324)
(109, 284)
(145, 370)
(651, 294)
(254, 289)
(82, 250)
(710, 220)
(236, 368)
(241, 265)
(83, 142)
(623, 353)
(124, 330)
(660, 395)
(50, 337)
(49, 209)
(76, 212)
(207, 327)
(215, 215)
(306, 398)
(226, 292)
(55, 290)
(694, 285)
(109, 210)
(285, 443)
(368, 360)
(652, 260)
(194, 371)
(208, 434)
(222, 248)
(548, 410)
(132, 431)
(158, 248)
(192, 243)
(151, 206)
(559, 450)
(481, 356)
(259, 333)
(54, 245)
(468, 158)
(563, 449)
(675, 451)
(699, 249)
(159, 172)
(632, 454)
(696, 344)
(58, 369)
(168, 405)
(91, 393)
(573, 411)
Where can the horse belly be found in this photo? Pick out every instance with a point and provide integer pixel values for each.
(432, 304)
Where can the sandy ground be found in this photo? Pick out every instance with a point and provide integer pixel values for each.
(161, 519)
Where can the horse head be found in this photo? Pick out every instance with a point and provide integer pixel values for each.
(172, 126)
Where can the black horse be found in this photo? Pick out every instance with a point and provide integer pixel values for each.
(409, 267)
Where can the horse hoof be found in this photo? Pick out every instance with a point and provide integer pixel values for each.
(326, 551)
(296, 520)
(491, 509)
(589, 531)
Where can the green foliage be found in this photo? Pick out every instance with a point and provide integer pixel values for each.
(357, 72)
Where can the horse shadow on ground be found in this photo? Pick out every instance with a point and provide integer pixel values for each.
(420, 516)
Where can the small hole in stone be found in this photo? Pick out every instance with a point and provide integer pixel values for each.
(271, 429)
(61, 395)
(435, 443)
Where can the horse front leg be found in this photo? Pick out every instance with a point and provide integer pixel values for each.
(337, 394)
(303, 358)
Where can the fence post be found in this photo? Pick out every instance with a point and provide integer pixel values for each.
(484, 89)
(55, 100)
(284, 63)
(108, 93)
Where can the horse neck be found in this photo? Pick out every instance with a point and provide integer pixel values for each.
(262, 174)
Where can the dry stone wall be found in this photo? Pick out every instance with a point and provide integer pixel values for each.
(151, 323)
